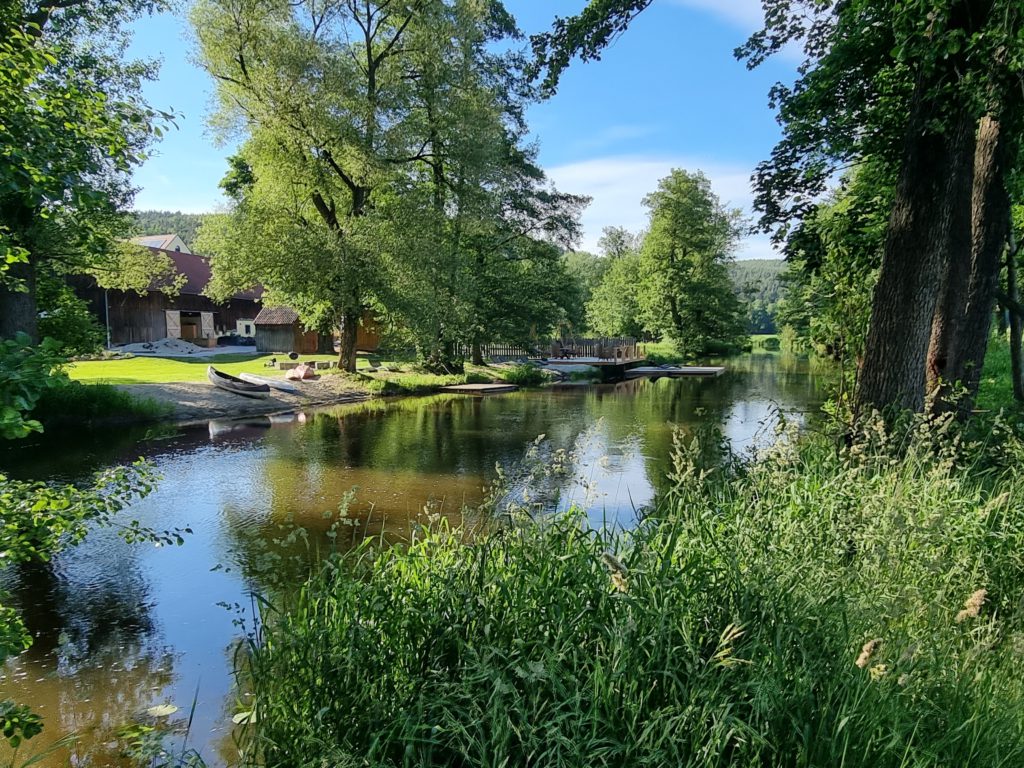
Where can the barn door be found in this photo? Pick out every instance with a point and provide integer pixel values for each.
(173, 323)
(206, 325)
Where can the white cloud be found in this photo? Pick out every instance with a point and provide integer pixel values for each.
(614, 134)
(747, 14)
(619, 183)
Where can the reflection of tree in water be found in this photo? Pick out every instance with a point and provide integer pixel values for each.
(72, 455)
(96, 662)
(78, 621)
(440, 452)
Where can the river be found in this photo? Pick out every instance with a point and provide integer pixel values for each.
(119, 628)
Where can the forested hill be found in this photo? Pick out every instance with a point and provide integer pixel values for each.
(759, 279)
(184, 225)
(759, 284)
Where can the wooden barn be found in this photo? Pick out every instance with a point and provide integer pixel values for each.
(279, 330)
(130, 317)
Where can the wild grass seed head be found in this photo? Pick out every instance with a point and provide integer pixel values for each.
(866, 652)
(617, 571)
(972, 606)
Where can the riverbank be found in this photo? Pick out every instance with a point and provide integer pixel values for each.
(176, 390)
(186, 402)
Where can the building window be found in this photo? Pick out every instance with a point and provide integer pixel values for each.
(248, 329)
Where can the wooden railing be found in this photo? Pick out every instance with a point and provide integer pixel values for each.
(618, 348)
(603, 349)
(496, 351)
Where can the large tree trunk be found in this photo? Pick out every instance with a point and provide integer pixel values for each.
(917, 247)
(477, 352)
(18, 310)
(955, 277)
(990, 226)
(348, 327)
(1016, 322)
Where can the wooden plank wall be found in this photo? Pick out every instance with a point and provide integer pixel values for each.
(135, 318)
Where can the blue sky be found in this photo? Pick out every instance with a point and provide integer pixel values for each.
(668, 94)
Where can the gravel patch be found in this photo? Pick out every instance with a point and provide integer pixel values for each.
(201, 401)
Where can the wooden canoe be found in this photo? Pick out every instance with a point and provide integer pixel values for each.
(280, 384)
(234, 384)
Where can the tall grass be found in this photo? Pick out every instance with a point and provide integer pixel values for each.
(816, 607)
(77, 405)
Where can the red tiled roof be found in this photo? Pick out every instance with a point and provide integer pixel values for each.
(196, 269)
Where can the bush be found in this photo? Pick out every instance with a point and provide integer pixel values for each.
(817, 607)
(524, 375)
(67, 319)
(663, 353)
(26, 374)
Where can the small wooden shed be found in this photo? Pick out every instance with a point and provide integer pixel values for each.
(279, 330)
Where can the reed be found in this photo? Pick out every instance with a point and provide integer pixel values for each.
(813, 607)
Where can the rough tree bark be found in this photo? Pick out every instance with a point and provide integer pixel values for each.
(990, 220)
(916, 249)
(955, 277)
(348, 327)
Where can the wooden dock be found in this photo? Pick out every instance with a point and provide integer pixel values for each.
(480, 389)
(675, 372)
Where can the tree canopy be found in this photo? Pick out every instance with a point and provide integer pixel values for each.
(383, 167)
(74, 125)
(673, 282)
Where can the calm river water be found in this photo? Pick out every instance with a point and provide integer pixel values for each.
(120, 628)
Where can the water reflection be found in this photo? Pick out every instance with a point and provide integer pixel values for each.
(120, 628)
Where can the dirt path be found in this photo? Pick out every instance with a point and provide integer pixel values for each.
(200, 401)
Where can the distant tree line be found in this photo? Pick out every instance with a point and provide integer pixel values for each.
(761, 284)
(184, 225)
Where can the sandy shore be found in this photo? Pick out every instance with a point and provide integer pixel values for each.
(200, 401)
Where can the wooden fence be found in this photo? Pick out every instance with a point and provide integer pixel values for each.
(496, 351)
(603, 349)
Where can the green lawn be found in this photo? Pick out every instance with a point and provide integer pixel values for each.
(996, 389)
(158, 370)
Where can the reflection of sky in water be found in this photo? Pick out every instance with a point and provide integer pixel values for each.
(120, 628)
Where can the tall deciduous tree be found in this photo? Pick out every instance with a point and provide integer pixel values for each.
(384, 139)
(833, 256)
(322, 93)
(614, 307)
(928, 89)
(686, 292)
(1016, 311)
(674, 282)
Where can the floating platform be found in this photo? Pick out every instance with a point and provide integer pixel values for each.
(675, 371)
(480, 389)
